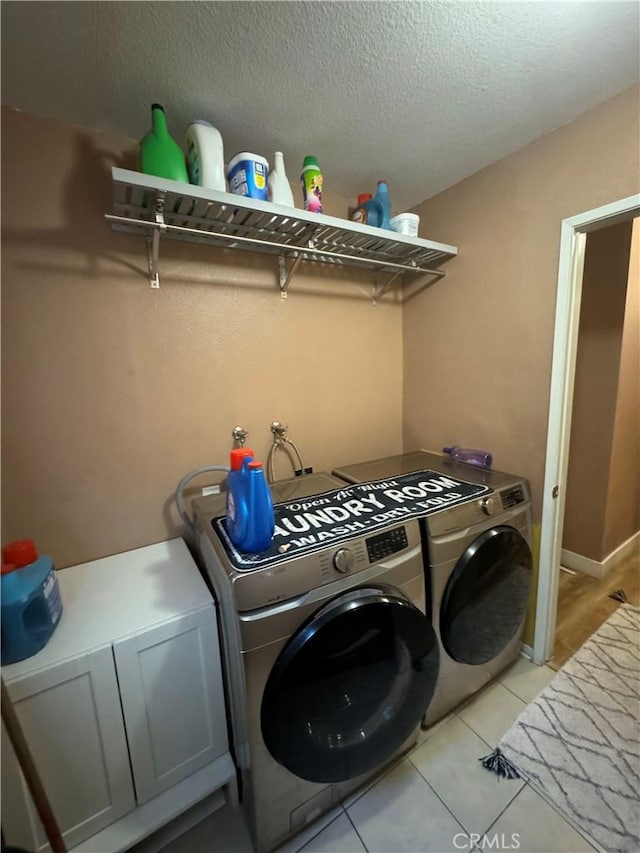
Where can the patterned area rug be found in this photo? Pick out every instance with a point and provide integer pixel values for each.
(579, 741)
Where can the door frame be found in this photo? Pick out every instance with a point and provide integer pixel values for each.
(565, 345)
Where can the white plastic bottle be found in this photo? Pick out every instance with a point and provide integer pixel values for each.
(205, 156)
(279, 186)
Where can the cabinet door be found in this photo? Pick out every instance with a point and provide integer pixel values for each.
(173, 700)
(72, 721)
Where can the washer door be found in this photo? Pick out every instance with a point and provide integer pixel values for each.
(349, 688)
(486, 599)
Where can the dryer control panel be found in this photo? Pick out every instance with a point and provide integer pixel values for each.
(387, 543)
(503, 499)
(512, 497)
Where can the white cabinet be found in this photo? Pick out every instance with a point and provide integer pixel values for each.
(170, 686)
(124, 708)
(71, 718)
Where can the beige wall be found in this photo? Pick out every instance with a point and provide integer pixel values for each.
(622, 519)
(112, 391)
(478, 345)
(596, 389)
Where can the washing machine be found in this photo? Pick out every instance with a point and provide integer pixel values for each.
(329, 657)
(478, 567)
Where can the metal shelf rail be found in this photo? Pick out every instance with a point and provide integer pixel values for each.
(155, 207)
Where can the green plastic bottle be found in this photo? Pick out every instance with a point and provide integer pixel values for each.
(160, 154)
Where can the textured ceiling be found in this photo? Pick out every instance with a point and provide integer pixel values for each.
(422, 94)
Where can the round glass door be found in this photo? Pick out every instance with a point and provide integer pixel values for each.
(350, 686)
(487, 596)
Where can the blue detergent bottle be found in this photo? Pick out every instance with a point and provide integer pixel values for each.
(237, 494)
(260, 518)
(378, 208)
(384, 205)
(31, 605)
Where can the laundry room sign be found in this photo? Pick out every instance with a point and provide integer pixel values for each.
(311, 523)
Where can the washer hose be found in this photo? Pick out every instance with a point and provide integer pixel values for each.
(181, 486)
(280, 441)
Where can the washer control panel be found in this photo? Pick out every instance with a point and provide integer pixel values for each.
(385, 544)
(341, 562)
(512, 497)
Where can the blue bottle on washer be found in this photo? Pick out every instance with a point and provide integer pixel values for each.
(31, 604)
(237, 493)
(260, 518)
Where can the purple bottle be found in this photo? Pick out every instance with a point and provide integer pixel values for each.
(481, 458)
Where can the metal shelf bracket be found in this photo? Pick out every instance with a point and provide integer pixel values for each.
(421, 283)
(285, 275)
(153, 242)
(380, 287)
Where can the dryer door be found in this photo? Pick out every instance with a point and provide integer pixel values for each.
(350, 687)
(485, 601)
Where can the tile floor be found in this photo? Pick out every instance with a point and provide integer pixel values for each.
(431, 800)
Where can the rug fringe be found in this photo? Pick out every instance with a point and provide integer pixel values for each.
(619, 595)
(497, 763)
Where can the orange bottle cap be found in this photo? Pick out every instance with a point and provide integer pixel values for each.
(20, 553)
(237, 455)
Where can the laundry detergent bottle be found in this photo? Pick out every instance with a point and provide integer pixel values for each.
(160, 154)
(260, 518)
(205, 155)
(31, 605)
(383, 203)
(237, 494)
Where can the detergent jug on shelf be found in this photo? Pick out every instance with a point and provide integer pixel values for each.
(205, 155)
(160, 154)
(376, 210)
(384, 205)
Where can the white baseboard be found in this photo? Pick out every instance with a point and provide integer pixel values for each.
(597, 569)
(622, 552)
(578, 563)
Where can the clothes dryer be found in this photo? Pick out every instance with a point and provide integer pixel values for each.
(478, 568)
(330, 660)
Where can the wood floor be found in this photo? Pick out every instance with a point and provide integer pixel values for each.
(584, 604)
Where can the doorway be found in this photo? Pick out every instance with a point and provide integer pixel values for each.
(568, 304)
(600, 539)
